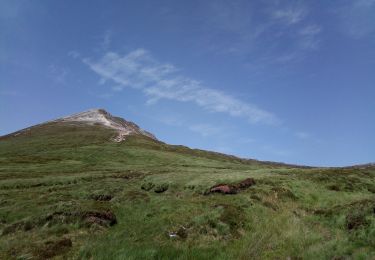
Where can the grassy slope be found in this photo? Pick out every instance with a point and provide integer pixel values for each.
(290, 212)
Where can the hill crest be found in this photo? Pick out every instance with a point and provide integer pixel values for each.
(102, 117)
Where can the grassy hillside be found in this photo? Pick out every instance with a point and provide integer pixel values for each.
(67, 191)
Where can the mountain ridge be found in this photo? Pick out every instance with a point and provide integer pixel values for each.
(124, 128)
(97, 116)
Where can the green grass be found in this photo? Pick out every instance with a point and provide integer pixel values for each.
(50, 174)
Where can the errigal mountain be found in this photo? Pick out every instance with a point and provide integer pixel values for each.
(95, 186)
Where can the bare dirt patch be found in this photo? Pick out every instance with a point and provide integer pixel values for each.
(53, 248)
(232, 188)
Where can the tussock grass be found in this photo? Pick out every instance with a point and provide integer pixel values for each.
(55, 178)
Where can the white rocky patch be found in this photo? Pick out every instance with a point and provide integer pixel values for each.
(101, 117)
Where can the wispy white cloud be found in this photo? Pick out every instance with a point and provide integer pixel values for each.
(106, 40)
(304, 39)
(310, 30)
(157, 81)
(256, 31)
(290, 15)
(230, 16)
(357, 18)
(234, 19)
(118, 88)
(287, 57)
(281, 23)
(58, 73)
(136, 69)
(309, 37)
(74, 54)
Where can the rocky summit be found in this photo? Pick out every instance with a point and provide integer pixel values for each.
(102, 117)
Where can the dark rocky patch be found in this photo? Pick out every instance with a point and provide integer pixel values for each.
(53, 248)
(334, 187)
(182, 232)
(161, 188)
(24, 225)
(356, 219)
(356, 213)
(13, 228)
(147, 186)
(101, 197)
(158, 188)
(371, 188)
(224, 189)
(246, 183)
(102, 218)
(232, 188)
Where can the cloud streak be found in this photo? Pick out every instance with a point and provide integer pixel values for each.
(292, 15)
(357, 18)
(309, 37)
(139, 70)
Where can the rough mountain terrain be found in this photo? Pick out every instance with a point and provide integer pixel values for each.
(101, 117)
(95, 186)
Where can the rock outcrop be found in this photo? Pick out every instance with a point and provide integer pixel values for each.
(102, 117)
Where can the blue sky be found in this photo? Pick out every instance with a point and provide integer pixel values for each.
(289, 81)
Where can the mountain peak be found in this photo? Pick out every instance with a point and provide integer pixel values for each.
(94, 115)
(102, 117)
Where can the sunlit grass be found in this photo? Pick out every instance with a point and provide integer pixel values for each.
(290, 212)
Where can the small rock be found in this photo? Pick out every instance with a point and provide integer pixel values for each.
(172, 234)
